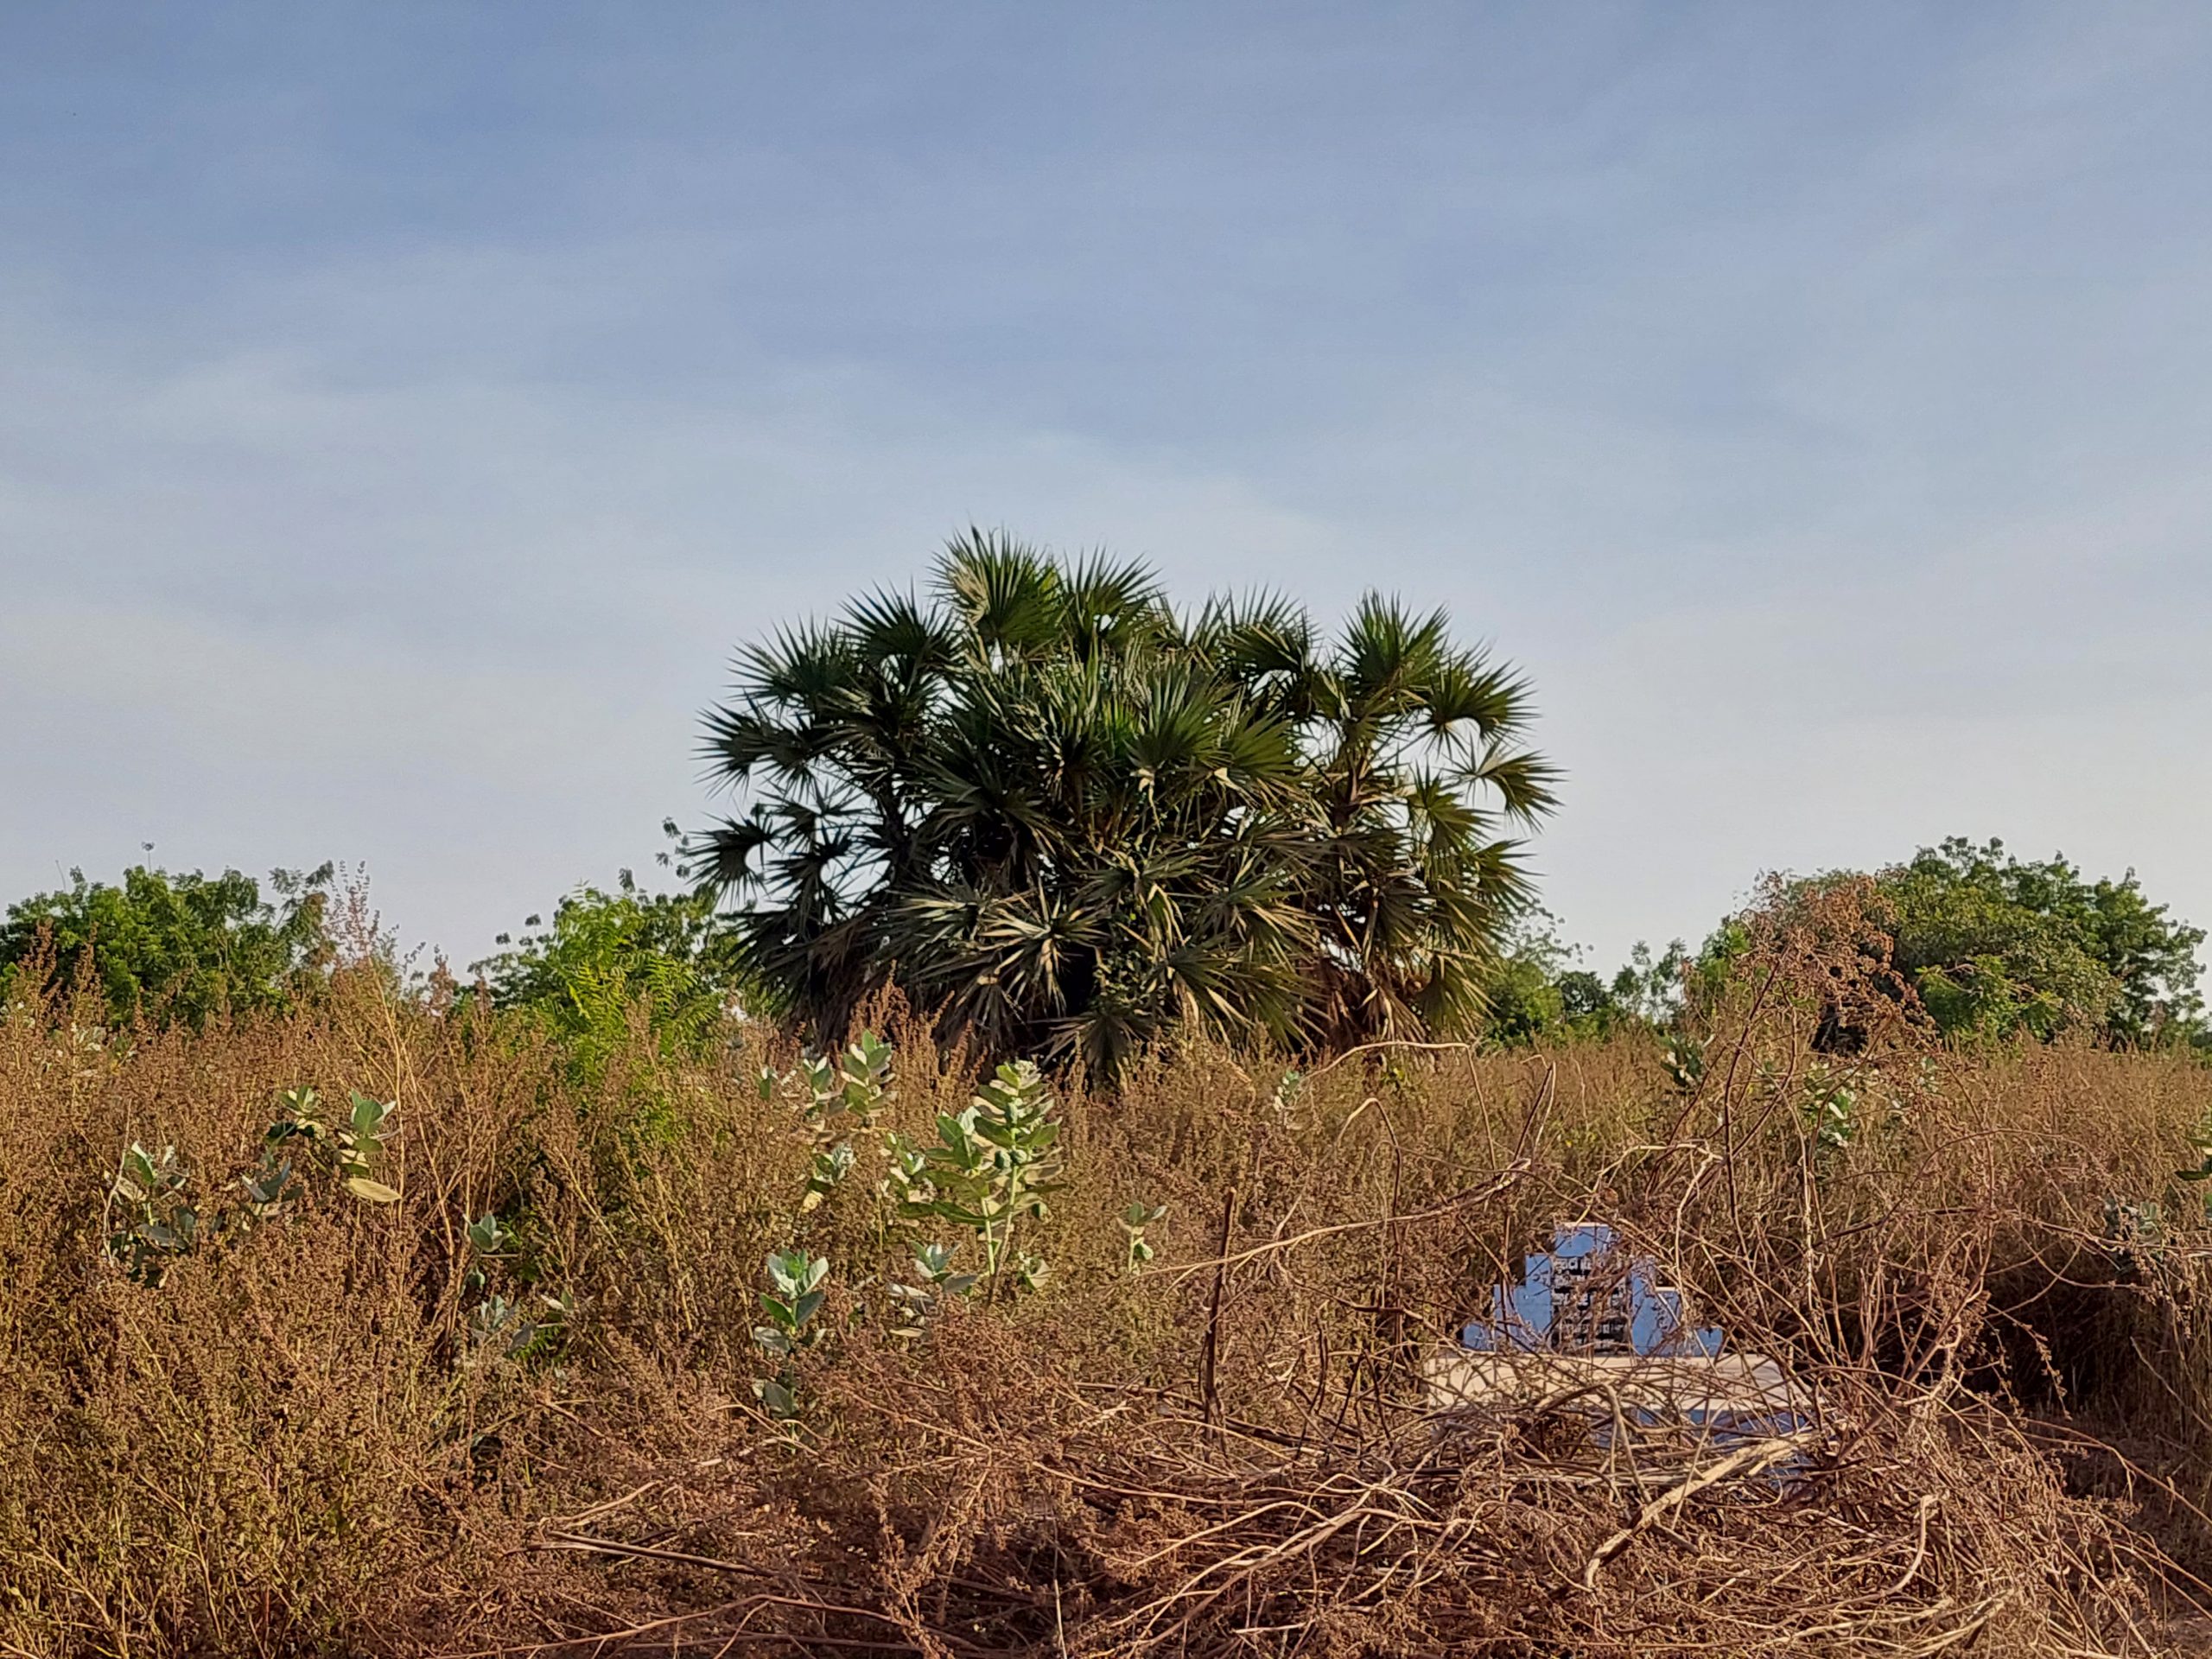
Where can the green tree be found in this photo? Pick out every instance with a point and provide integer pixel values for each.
(1537, 993)
(1068, 819)
(609, 956)
(1996, 946)
(178, 947)
(1999, 945)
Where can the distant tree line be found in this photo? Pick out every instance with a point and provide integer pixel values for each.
(1067, 820)
(1991, 947)
(1986, 945)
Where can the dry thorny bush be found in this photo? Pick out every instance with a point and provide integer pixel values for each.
(361, 1427)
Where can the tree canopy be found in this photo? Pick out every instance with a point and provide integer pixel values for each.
(607, 954)
(1068, 818)
(178, 947)
(1997, 944)
(1991, 945)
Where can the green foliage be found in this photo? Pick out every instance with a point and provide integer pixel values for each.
(354, 1144)
(848, 1089)
(153, 1222)
(609, 954)
(1997, 946)
(1683, 1056)
(501, 1328)
(1536, 994)
(1527, 999)
(1071, 821)
(839, 1094)
(913, 1305)
(794, 1296)
(991, 1168)
(1829, 1105)
(520, 1326)
(2134, 1234)
(1135, 1218)
(181, 947)
(157, 1223)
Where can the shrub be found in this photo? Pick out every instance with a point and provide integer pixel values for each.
(176, 947)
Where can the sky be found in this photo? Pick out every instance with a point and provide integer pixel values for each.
(406, 411)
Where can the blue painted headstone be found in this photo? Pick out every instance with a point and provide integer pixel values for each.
(1582, 1297)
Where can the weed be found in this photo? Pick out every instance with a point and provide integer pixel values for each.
(159, 1225)
(990, 1169)
(793, 1298)
(1134, 1220)
(354, 1143)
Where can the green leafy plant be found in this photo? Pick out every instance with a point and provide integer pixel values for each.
(2201, 1143)
(354, 1144)
(991, 1169)
(523, 1325)
(158, 1224)
(1290, 1090)
(1997, 947)
(1830, 1108)
(1684, 1058)
(793, 1298)
(511, 1328)
(268, 1192)
(837, 1094)
(1134, 1220)
(828, 1167)
(488, 1238)
(913, 1305)
(608, 958)
(851, 1085)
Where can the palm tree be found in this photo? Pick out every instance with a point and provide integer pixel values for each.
(1069, 821)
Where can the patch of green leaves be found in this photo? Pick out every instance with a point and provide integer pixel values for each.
(837, 1095)
(990, 1170)
(1829, 1107)
(913, 1305)
(1134, 1220)
(520, 1328)
(793, 1298)
(158, 1224)
(354, 1144)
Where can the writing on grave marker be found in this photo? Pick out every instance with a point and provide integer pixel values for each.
(1582, 1296)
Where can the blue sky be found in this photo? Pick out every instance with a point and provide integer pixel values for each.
(404, 410)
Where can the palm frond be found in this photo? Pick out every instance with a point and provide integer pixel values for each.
(1005, 594)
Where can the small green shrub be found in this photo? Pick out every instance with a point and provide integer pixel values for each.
(793, 1298)
(991, 1168)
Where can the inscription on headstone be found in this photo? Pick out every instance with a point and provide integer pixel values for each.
(1583, 1296)
(1586, 1312)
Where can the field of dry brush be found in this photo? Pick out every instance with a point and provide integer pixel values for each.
(340, 1426)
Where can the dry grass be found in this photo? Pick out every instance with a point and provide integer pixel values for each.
(295, 1443)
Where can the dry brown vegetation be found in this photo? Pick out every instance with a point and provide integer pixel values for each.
(299, 1441)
